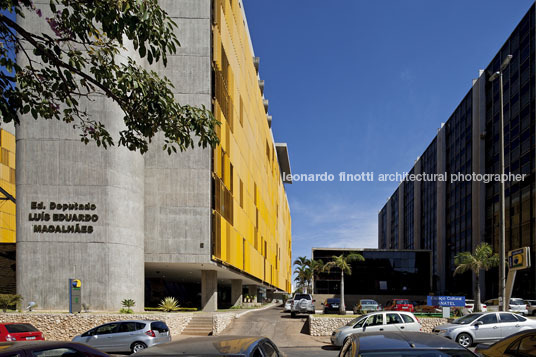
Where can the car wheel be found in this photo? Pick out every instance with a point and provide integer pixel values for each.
(534, 312)
(137, 347)
(293, 314)
(465, 340)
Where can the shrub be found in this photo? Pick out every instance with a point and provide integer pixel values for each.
(9, 300)
(169, 304)
(127, 304)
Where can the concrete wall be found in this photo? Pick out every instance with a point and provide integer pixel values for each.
(53, 166)
(178, 187)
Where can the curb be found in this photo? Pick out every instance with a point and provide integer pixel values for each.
(237, 316)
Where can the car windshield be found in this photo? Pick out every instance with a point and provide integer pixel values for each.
(427, 353)
(331, 301)
(368, 302)
(358, 320)
(517, 302)
(302, 296)
(20, 328)
(466, 319)
(401, 302)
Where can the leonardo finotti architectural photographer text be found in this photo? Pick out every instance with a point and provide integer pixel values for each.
(404, 176)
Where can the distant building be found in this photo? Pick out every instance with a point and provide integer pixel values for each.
(383, 275)
(204, 226)
(453, 216)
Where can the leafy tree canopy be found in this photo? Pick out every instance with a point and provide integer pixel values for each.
(82, 54)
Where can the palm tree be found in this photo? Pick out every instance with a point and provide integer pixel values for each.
(317, 266)
(482, 259)
(303, 277)
(343, 263)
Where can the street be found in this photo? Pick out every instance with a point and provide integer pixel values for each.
(288, 334)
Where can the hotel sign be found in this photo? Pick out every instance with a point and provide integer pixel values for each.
(57, 217)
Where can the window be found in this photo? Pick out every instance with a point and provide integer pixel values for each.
(375, 320)
(58, 352)
(489, 319)
(407, 319)
(159, 326)
(106, 329)
(506, 317)
(127, 327)
(269, 350)
(527, 346)
(394, 319)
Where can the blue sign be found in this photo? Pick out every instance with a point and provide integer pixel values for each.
(446, 301)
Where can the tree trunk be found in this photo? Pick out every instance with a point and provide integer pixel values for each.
(342, 308)
(478, 307)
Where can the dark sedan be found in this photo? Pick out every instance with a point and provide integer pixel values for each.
(47, 348)
(387, 344)
(331, 305)
(216, 346)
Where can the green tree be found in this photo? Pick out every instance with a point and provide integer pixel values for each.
(303, 277)
(9, 300)
(83, 54)
(482, 259)
(343, 262)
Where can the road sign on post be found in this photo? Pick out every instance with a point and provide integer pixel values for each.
(75, 296)
(519, 259)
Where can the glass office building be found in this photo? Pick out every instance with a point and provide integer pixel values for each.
(395, 273)
(455, 215)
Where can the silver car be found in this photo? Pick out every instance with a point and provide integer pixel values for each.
(484, 327)
(376, 321)
(126, 336)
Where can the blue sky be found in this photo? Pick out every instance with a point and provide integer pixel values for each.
(363, 86)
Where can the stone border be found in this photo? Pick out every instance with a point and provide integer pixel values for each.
(63, 326)
(324, 326)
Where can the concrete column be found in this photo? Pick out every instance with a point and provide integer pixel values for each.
(252, 291)
(441, 195)
(417, 207)
(209, 290)
(478, 189)
(236, 292)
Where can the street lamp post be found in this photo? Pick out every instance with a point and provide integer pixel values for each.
(502, 248)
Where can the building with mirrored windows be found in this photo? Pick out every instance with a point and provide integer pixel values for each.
(454, 215)
(383, 275)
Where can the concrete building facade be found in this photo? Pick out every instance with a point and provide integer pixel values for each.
(453, 215)
(201, 225)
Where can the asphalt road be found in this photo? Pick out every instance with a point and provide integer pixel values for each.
(288, 334)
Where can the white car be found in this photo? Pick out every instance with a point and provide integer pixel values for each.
(484, 327)
(376, 321)
(516, 305)
(470, 306)
(531, 307)
(288, 305)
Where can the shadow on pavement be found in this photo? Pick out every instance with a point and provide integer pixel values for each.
(330, 348)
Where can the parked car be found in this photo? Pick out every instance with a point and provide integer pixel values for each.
(484, 327)
(531, 307)
(216, 346)
(126, 336)
(19, 332)
(516, 305)
(401, 343)
(366, 305)
(470, 306)
(331, 305)
(399, 305)
(521, 344)
(376, 321)
(288, 304)
(47, 349)
(301, 304)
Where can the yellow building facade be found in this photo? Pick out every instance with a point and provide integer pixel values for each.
(7, 182)
(251, 216)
